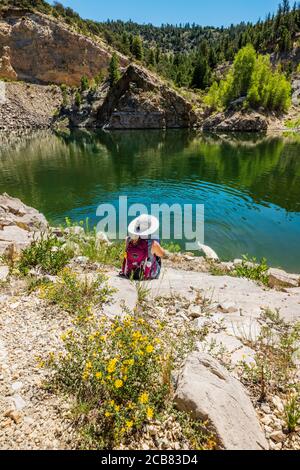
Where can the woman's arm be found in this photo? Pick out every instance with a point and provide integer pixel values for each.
(157, 250)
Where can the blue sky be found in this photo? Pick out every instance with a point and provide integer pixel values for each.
(204, 12)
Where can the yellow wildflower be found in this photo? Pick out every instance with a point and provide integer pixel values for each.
(144, 398)
(129, 424)
(136, 335)
(112, 402)
(112, 366)
(85, 376)
(119, 383)
(149, 349)
(107, 414)
(89, 365)
(150, 413)
(99, 375)
(117, 408)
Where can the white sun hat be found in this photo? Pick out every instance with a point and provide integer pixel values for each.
(144, 227)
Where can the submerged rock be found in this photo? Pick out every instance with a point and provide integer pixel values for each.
(209, 392)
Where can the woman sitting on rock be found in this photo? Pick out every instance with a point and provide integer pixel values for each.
(143, 251)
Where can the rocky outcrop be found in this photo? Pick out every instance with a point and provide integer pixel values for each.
(209, 392)
(280, 279)
(27, 106)
(6, 69)
(18, 224)
(236, 121)
(45, 50)
(139, 100)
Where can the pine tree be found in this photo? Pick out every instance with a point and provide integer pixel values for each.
(137, 48)
(202, 73)
(114, 70)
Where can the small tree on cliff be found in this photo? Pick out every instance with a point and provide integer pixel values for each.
(137, 48)
(114, 69)
(84, 83)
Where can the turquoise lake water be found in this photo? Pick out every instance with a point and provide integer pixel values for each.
(249, 184)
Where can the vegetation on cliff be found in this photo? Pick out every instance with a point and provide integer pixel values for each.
(252, 78)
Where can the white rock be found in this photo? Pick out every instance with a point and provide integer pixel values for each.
(201, 322)
(266, 408)
(20, 404)
(71, 246)
(230, 343)
(208, 252)
(237, 262)
(195, 311)
(245, 328)
(76, 230)
(278, 436)
(279, 278)
(81, 260)
(4, 272)
(228, 307)
(244, 356)
(267, 420)
(278, 403)
(209, 392)
(101, 237)
(16, 386)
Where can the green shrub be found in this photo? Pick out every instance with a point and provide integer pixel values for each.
(64, 90)
(171, 247)
(250, 269)
(253, 77)
(84, 83)
(293, 123)
(276, 348)
(47, 254)
(78, 99)
(292, 412)
(76, 295)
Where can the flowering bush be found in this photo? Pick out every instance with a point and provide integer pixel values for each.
(119, 373)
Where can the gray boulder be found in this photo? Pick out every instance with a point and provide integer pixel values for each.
(281, 279)
(19, 224)
(233, 121)
(209, 392)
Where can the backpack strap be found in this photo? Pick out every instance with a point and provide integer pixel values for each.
(150, 243)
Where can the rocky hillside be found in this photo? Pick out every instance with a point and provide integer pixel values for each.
(26, 106)
(234, 343)
(39, 48)
(139, 100)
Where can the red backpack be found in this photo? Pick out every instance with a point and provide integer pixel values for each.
(139, 261)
